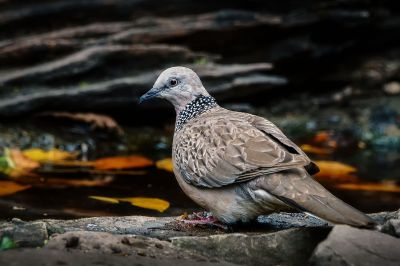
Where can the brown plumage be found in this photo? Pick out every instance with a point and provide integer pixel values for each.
(238, 165)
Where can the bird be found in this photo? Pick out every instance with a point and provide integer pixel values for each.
(237, 165)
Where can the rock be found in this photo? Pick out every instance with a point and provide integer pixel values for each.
(285, 220)
(158, 227)
(106, 243)
(172, 241)
(121, 92)
(391, 227)
(287, 247)
(346, 245)
(101, 50)
(382, 217)
(390, 222)
(25, 234)
(168, 227)
(46, 257)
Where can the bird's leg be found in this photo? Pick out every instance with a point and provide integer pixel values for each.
(203, 218)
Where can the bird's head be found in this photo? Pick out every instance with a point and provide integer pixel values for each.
(178, 85)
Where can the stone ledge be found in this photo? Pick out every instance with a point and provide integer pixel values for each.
(285, 238)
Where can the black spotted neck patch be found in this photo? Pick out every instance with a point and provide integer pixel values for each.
(193, 109)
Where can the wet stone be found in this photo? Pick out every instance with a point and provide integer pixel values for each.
(24, 234)
(106, 243)
(346, 245)
(287, 247)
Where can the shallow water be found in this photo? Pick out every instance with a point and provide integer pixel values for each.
(377, 164)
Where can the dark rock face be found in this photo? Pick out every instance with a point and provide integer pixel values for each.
(287, 247)
(106, 243)
(111, 51)
(47, 257)
(351, 246)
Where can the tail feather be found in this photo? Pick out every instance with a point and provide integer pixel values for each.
(300, 191)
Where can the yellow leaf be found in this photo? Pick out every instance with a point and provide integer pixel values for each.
(147, 203)
(165, 164)
(122, 162)
(10, 187)
(371, 187)
(105, 199)
(52, 155)
(315, 150)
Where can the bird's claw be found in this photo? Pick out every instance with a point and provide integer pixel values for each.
(203, 218)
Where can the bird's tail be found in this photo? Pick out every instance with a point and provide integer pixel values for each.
(300, 191)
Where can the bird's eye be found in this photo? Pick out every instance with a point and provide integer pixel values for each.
(173, 82)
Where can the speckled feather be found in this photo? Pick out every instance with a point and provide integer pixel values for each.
(218, 147)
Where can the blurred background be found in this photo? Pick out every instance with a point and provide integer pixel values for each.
(75, 143)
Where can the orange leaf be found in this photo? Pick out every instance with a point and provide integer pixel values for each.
(382, 187)
(335, 171)
(20, 161)
(315, 150)
(122, 162)
(321, 136)
(10, 187)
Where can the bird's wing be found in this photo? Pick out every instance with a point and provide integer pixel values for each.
(219, 150)
(274, 132)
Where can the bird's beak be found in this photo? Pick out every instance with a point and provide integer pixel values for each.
(148, 95)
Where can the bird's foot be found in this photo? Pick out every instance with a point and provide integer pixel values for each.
(203, 219)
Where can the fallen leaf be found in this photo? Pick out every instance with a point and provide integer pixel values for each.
(165, 164)
(105, 199)
(315, 150)
(122, 162)
(16, 164)
(7, 243)
(52, 155)
(321, 136)
(147, 203)
(371, 187)
(96, 120)
(19, 161)
(335, 171)
(11, 187)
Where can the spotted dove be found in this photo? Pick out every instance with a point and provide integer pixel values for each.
(238, 165)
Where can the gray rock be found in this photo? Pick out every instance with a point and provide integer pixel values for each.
(391, 227)
(346, 245)
(45, 257)
(285, 220)
(382, 217)
(25, 234)
(158, 227)
(106, 243)
(288, 247)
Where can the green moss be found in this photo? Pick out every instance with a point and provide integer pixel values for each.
(7, 243)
